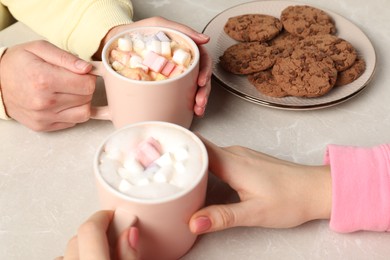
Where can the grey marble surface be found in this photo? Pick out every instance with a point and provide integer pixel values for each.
(46, 181)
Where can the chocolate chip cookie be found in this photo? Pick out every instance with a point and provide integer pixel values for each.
(352, 73)
(253, 27)
(306, 73)
(247, 57)
(266, 84)
(284, 43)
(341, 51)
(306, 20)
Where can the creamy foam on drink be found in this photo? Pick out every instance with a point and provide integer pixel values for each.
(150, 163)
(150, 56)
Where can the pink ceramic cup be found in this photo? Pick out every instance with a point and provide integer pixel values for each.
(130, 101)
(162, 222)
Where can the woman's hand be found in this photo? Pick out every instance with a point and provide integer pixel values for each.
(204, 78)
(273, 193)
(91, 241)
(44, 87)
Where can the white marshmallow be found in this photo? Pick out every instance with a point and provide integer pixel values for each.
(124, 173)
(124, 185)
(163, 174)
(125, 44)
(181, 57)
(151, 170)
(138, 45)
(166, 49)
(164, 160)
(180, 168)
(180, 153)
(132, 165)
(154, 46)
(117, 65)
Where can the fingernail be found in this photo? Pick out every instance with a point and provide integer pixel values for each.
(201, 225)
(204, 36)
(81, 65)
(133, 237)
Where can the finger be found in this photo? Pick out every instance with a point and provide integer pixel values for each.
(64, 81)
(198, 38)
(201, 100)
(205, 65)
(49, 78)
(72, 249)
(127, 244)
(59, 57)
(220, 217)
(93, 242)
(79, 114)
(221, 162)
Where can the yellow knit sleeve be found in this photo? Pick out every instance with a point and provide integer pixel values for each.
(73, 25)
(6, 18)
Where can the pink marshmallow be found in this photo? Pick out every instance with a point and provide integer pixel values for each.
(168, 68)
(154, 61)
(148, 151)
(177, 71)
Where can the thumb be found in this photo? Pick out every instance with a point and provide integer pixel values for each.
(218, 217)
(127, 245)
(56, 56)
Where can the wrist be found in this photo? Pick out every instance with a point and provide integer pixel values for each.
(319, 192)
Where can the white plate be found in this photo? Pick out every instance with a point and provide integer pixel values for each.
(240, 86)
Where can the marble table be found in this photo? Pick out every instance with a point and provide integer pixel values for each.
(46, 180)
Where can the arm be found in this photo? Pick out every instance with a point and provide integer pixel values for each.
(361, 188)
(352, 189)
(72, 25)
(273, 193)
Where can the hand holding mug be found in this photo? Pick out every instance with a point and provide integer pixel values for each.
(150, 74)
(91, 241)
(44, 87)
(154, 176)
(204, 77)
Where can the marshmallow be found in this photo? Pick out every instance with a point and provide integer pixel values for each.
(120, 56)
(180, 153)
(157, 76)
(136, 74)
(166, 49)
(124, 185)
(124, 173)
(163, 174)
(154, 46)
(116, 65)
(177, 71)
(164, 160)
(132, 165)
(181, 57)
(162, 37)
(168, 68)
(138, 45)
(136, 62)
(154, 61)
(125, 44)
(148, 151)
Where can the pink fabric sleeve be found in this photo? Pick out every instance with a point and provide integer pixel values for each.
(360, 187)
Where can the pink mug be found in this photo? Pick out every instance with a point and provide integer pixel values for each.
(130, 101)
(162, 220)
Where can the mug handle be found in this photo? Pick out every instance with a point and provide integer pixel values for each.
(122, 220)
(102, 112)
